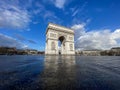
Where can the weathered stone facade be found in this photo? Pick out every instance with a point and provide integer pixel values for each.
(55, 33)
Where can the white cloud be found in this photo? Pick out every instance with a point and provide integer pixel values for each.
(99, 39)
(23, 39)
(116, 34)
(13, 16)
(10, 42)
(75, 12)
(49, 14)
(78, 10)
(59, 3)
(79, 30)
(44, 13)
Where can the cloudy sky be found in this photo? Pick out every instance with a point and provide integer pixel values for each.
(96, 22)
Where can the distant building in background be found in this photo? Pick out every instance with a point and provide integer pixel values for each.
(31, 51)
(8, 50)
(89, 52)
(112, 52)
(14, 51)
(116, 49)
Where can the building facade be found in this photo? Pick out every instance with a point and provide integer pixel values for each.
(59, 40)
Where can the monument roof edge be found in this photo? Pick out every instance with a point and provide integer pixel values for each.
(58, 26)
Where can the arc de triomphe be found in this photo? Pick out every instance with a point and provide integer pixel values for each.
(59, 40)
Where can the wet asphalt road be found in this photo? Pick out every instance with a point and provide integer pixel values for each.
(59, 72)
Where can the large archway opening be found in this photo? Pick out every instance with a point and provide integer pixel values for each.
(61, 44)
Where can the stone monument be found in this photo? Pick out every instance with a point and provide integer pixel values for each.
(59, 40)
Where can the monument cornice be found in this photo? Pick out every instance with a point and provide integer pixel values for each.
(59, 28)
(52, 39)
